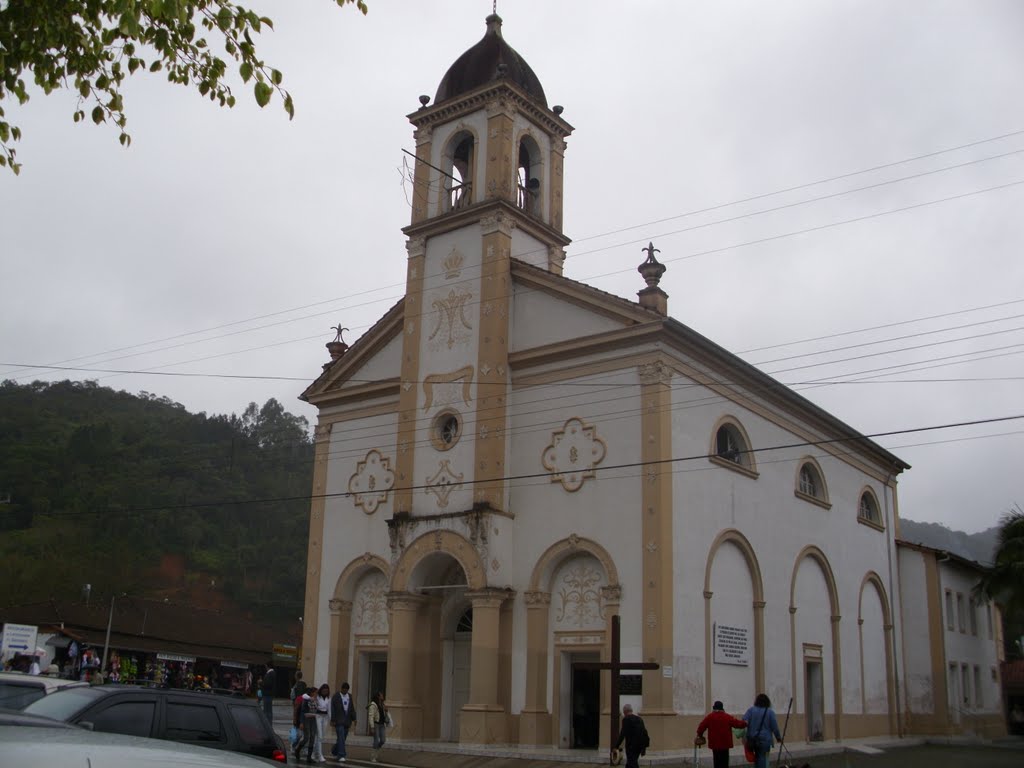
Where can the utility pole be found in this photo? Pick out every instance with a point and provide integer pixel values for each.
(106, 643)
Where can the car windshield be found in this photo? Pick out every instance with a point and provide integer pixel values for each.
(63, 705)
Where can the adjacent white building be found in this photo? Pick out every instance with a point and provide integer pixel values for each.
(954, 645)
(509, 458)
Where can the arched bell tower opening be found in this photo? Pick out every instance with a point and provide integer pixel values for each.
(528, 177)
(459, 165)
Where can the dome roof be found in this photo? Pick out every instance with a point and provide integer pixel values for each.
(490, 60)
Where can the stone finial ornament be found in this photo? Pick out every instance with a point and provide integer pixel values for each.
(338, 347)
(652, 297)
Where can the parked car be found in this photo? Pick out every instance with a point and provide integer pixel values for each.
(71, 747)
(17, 717)
(18, 689)
(226, 722)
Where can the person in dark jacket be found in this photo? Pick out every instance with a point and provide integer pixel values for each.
(634, 733)
(719, 725)
(343, 717)
(761, 726)
(268, 687)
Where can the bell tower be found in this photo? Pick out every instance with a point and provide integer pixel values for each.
(487, 190)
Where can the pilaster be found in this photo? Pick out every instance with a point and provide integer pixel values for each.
(403, 609)
(409, 391)
(341, 631)
(611, 599)
(656, 554)
(501, 154)
(535, 720)
(492, 360)
(314, 552)
(483, 719)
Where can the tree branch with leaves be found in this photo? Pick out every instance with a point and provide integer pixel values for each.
(91, 46)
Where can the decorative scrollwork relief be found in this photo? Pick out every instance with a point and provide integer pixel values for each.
(370, 608)
(371, 482)
(654, 373)
(440, 389)
(573, 453)
(451, 326)
(443, 483)
(578, 601)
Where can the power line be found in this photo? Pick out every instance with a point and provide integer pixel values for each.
(605, 234)
(548, 475)
(733, 246)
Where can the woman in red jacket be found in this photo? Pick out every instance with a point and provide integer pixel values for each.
(719, 725)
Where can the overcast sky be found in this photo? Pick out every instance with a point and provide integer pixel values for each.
(229, 241)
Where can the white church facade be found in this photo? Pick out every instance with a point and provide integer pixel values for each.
(508, 458)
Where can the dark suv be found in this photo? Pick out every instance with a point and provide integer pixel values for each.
(205, 719)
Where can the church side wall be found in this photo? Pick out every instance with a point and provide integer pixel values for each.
(812, 562)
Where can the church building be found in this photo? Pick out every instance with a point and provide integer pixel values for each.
(509, 458)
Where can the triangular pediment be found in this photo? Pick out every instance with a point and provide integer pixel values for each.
(374, 359)
(548, 308)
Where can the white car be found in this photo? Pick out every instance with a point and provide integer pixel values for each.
(18, 690)
(79, 748)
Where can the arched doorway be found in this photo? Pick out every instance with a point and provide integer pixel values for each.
(444, 639)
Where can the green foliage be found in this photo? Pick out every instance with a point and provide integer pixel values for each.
(103, 484)
(90, 46)
(1004, 583)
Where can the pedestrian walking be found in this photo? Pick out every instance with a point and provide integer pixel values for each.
(322, 713)
(305, 718)
(719, 725)
(379, 719)
(343, 717)
(268, 687)
(761, 726)
(634, 733)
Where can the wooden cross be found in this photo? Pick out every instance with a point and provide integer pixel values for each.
(615, 665)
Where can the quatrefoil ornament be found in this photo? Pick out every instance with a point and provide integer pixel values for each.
(573, 454)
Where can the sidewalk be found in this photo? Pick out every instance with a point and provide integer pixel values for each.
(451, 755)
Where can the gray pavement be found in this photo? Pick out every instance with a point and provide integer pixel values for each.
(878, 752)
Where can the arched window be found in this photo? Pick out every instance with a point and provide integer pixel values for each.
(867, 510)
(459, 162)
(528, 171)
(810, 483)
(731, 448)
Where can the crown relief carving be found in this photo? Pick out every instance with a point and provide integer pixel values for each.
(453, 264)
(573, 453)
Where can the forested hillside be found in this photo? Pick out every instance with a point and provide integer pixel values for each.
(107, 488)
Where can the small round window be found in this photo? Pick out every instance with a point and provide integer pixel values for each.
(446, 430)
